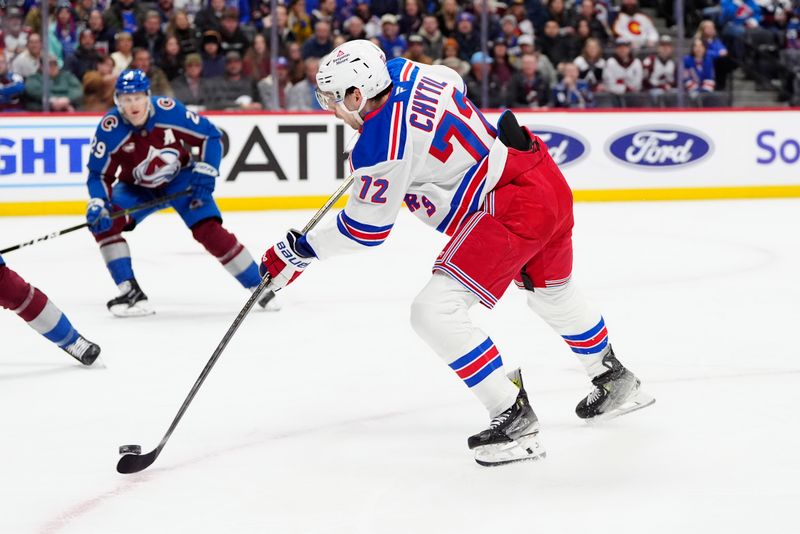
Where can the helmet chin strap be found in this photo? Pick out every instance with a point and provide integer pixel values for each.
(354, 115)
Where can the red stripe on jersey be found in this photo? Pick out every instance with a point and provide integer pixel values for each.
(466, 200)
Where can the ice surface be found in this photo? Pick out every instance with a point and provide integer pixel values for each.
(331, 417)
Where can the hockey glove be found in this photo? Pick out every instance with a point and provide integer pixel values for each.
(204, 178)
(286, 260)
(98, 215)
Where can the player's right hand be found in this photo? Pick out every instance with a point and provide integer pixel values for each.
(98, 215)
(286, 260)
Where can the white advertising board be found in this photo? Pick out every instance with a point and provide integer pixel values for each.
(286, 158)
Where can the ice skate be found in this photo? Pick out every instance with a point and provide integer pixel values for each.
(616, 392)
(132, 302)
(512, 436)
(83, 350)
(268, 300)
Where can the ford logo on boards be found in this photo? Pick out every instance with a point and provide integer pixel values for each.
(659, 146)
(564, 148)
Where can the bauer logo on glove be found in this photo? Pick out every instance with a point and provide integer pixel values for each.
(286, 260)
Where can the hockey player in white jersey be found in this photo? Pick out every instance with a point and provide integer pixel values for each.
(508, 210)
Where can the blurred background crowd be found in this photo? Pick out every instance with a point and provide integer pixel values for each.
(218, 54)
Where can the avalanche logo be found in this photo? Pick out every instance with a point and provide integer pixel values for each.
(159, 167)
(565, 148)
(635, 27)
(658, 147)
(108, 123)
(166, 103)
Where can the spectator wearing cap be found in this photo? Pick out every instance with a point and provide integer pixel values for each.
(302, 95)
(391, 42)
(171, 61)
(448, 18)
(125, 15)
(276, 82)
(66, 91)
(597, 18)
(65, 30)
(150, 36)
(29, 61)
(635, 26)
(159, 84)
(285, 35)
(14, 38)
(85, 57)
(509, 32)
(481, 68)
(524, 24)
(98, 86)
(299, 21)
(559, 47)
(591, 64)
(354, 29)
(544, 66)
(623, 72)
(187, 35)
(236, 90)
(450, 58)
(12, 87)
(210, 18)
(191, 88)
(213, 60)
(103, 35)
(122, 56)
(432, 38)
(572, 92)
(528, 89)
(416, 51)
(659, 68)
(410, 20)
(321, 44)
(233, 38)
(257, 61)
(467, 37)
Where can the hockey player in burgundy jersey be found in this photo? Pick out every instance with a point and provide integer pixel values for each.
(139, 154)
(42, 315)
(505, 204)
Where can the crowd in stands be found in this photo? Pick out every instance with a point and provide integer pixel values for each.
(215, 54)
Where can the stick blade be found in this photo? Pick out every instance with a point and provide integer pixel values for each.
(133, 463)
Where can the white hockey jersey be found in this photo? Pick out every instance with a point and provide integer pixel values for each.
(429, 147)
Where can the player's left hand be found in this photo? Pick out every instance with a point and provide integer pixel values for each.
(286, 260)
(204, 178)
(98, 215)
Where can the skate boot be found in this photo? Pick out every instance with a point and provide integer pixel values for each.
(616, 392)
(83, 350)
(132, 302)
(512, 436)
(267, 300)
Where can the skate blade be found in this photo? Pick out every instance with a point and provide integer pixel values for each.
(636, 402)
(140, 309)
(523, 448)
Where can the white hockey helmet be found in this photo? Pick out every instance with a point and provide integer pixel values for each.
(358, 63)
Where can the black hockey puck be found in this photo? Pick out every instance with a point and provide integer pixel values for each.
(130, 449)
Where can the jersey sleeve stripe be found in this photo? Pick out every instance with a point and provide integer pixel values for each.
(364, 234)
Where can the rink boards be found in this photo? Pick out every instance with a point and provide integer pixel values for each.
(285, 161)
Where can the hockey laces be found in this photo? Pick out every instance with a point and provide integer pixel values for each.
(500, 419)
(78, 347)
(594, 395)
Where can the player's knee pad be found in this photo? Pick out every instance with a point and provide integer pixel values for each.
(216, 239)
(14, 291)
(441, 310)
(563, 307)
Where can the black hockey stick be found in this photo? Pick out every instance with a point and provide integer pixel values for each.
(132, 460)
(146, 205)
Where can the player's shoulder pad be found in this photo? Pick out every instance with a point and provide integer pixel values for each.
(166, 107)
(112, 129)
(395, 67)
